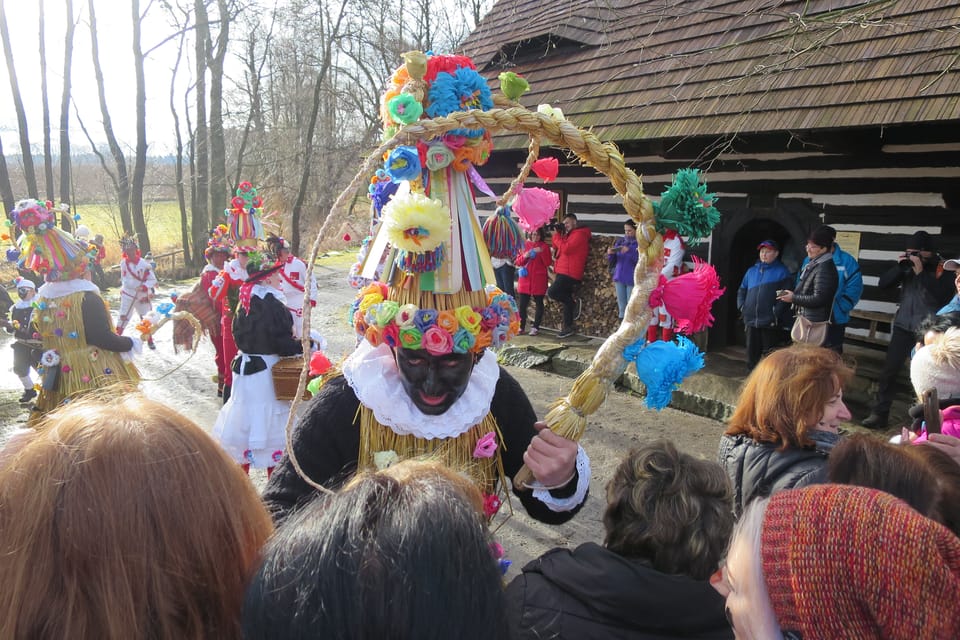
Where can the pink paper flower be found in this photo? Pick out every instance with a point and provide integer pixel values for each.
(437, 341)
(486, 446)
(491, 504)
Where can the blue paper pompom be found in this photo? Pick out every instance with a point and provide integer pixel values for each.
(662, 366)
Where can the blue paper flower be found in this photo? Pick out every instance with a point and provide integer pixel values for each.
(403, 163)
(462, 90)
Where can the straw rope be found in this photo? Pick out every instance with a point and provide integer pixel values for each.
(567, 416)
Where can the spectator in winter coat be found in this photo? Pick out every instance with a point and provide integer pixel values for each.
(923, 289)
(757, 299)
(786, 422)
(533, 263)
(667, 521)
(849, 290)
(572, 246)
(622, 258)
(954, 304)
(818, 281)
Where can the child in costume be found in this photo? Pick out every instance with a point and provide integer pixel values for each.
(292, 280)
(622, 258)
(81, 352)
(26, 347)
(137, 281)
(533, 263)
(251, 424)
(422, 381)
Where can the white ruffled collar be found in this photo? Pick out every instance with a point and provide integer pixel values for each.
(373, 375)
(63, 288)
(261, 290)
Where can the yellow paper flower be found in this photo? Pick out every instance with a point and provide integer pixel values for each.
(468, 319)
(416, 223)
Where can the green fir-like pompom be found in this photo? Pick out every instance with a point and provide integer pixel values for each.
(687, 207)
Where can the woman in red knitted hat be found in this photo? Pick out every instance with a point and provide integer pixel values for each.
(836, 561)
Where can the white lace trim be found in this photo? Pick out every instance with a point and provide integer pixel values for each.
(261, 291)
(63, 288)
(372, 374)
(559, 505)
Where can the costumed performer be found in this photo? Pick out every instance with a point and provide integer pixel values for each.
(245, 230)
(137, 281)
(423, 381)
(251, 425)
(26, 346)
(81, 352)
(292, 280)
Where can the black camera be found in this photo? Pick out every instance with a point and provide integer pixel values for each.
(557, 226)
(906, 264)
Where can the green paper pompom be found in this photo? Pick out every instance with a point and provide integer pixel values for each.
(687, 207)
(314, 386)
(512, 85)
(405, 108)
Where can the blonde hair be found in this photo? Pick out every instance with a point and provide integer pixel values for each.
(123, 519)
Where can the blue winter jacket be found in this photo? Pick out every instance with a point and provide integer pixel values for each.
(850, 286)
(758, 292)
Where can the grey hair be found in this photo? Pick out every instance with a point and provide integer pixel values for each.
(749, 531)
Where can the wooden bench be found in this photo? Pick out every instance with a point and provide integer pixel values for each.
(874, 318)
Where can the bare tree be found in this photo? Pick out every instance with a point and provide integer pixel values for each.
(6, 190)
(65, 179)
(28, 171)
(122, 180)
(218, 153)
(44, 99)
(181, 196)
(202, 217)
(140, 158)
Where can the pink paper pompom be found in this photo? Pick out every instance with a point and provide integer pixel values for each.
(535, 206)
(689, 297)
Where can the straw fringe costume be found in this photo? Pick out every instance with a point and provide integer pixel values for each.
(137, 281)
(73, 321)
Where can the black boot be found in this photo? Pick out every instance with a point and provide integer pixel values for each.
(226, 393)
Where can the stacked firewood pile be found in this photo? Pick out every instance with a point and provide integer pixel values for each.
(598, 315)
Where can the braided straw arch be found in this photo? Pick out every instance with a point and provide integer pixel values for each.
(567, 416)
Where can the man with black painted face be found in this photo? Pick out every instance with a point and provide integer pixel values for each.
(434, 383)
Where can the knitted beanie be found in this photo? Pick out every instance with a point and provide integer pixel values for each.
(937, 365)
(851, 562)
(822, 236)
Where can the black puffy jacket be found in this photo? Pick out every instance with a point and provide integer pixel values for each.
(813, 297)
(758, 469)
(591, 593)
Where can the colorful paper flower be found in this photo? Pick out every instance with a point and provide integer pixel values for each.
(546, 169)
(491, 504)
(410, 338)
(276, 456)
(439, 156)
(535, 206)
(416, 223)
(468, 318)
(486, 446)
(384, 459)
(437, 342)
(404, 108)
(403, 163)
(463, 341)
(50, 358)
(461, 90)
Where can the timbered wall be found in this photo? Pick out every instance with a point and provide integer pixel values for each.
(882, 184)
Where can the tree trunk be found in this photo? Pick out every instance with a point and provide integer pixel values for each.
(218, 147)
(28, 171)
(140, 159)
(6, 190)
(178, 168)
(65, 109)
(65, 221)
(123, 181)
(202, 218)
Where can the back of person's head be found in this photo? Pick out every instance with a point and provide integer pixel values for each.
(935, 324)
(852, 562)
(670, 509)
(401, 554)
(867, 461)
(123, 519)
(937, 365)
(784, 397)
(947, 473)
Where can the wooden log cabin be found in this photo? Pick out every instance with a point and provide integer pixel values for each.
(798, 113)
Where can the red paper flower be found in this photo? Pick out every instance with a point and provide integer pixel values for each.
(546, 169)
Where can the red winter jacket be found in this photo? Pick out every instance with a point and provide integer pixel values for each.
(572, 250)
(535, 282)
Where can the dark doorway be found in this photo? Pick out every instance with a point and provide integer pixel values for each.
(743, 255)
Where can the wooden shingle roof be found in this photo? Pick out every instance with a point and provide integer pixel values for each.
(658, 69)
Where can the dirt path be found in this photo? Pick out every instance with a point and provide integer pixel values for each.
(184, 382)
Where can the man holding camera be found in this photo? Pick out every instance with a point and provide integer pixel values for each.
(572, 245)
(924, 289)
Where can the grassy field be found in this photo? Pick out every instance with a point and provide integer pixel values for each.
(162, 218)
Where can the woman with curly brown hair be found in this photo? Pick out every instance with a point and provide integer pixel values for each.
(785, 423)
(121, 519)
